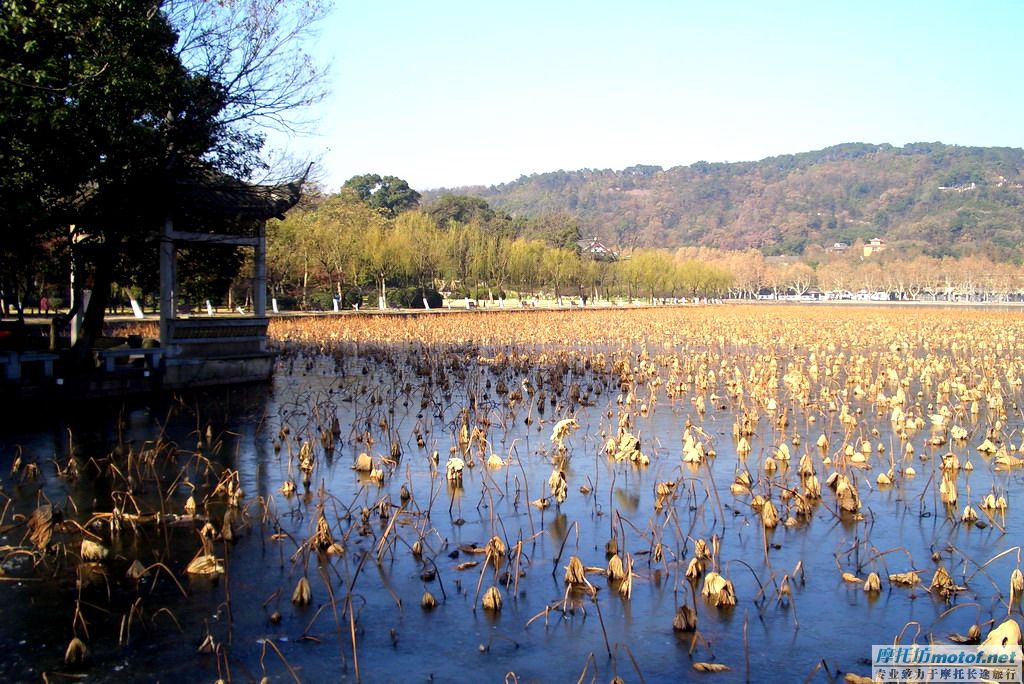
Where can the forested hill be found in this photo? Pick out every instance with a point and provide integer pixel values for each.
(939, 199)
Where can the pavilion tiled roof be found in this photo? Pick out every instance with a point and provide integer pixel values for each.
(214, 194)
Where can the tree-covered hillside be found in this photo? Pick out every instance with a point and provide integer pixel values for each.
(930, 198)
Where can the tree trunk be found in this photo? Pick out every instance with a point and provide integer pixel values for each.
(92, 325)
(305, 283)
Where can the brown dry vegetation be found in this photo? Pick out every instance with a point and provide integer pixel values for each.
(802, 422)
(768, 328)
(847, 391)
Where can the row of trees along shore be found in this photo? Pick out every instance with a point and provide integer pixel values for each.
(106, 106)
(351, 244)
(374, 239)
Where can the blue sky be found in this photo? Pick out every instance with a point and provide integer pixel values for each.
(448, 93)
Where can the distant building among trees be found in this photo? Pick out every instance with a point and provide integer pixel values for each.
(593, 248)
(874, 246)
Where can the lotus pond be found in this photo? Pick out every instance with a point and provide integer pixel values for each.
(531, 496)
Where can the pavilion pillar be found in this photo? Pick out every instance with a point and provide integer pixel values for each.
(76, 295)
(259, 279)
(168, 281)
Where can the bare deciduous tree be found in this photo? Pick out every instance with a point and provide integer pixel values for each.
(254, 50)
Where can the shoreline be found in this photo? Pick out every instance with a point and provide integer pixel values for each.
(513, 306)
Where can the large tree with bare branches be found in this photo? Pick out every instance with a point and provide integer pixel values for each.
(104, 104)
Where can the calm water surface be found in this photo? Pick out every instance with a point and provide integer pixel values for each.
(540, 634)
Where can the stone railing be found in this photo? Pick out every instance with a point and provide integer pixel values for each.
(216, 338)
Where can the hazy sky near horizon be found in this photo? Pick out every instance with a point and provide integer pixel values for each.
(455, 92)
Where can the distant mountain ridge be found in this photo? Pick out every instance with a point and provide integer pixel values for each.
(922, 198)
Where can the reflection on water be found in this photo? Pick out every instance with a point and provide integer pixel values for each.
(173, 626)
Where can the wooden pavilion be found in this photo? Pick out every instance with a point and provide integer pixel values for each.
(216, 209)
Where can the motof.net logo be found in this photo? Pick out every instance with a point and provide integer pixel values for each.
(946, 663)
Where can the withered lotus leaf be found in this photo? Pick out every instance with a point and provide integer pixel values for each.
(769, 514)
(969, 515)
(204, 564)
(453, 469)
(136, 570)
(1016, 583)
(574, 572)
(851, 678)
(907, 579)
(363, 463)
(718, 590)
(685, 619)
(1006, 634)
(616, 570)
(492, 599)
(942, 584)
(93, 551)
(40, 527)
(76, 652)
(557, 485)
(563, 429)
(303, 593)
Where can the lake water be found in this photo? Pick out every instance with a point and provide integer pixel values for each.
(153, 628)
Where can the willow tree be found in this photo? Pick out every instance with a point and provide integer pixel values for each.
(561, 267)
(524, 263)
(339, 230)
(424, 247)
